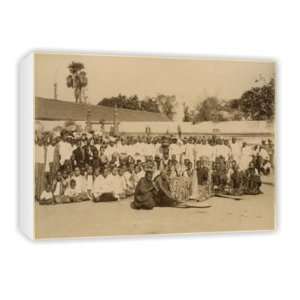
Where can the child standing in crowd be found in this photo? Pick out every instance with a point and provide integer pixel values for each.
(40, 158)
(58, 189)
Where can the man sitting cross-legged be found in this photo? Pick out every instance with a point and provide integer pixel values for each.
(144, 192)
(103, 189)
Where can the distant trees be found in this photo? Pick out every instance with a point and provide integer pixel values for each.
(258, 103)
(162, 103)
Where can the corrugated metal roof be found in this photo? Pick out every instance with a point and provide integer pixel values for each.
(51, 109)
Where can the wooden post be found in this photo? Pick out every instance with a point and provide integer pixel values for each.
(115, 121)
(88, 120)
(55, 91)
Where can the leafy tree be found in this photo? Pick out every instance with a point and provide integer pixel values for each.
(208, 110)
(167, 105)
(258, 103)
(187, 114)
(77, 80)
(132, 102)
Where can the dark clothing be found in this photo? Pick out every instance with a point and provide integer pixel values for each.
(144, 195)
(106, 197)
(90, 154)
(79, 157)
(252, 182)
(163, 195)
(202, 175)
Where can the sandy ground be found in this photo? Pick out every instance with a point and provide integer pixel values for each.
(117, 218)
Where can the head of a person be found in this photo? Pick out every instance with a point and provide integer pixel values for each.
(166, 154)
(199, 163)
(64, 136)
(58, 176)
(102, 150)
(106, 172)
(83, 170)
(173, 157)
(251, 165)
(122, 170)
(114, 171)
(97, 172)
(148, 175)
(137, 169)
(166, 173)
(72, 184)
(186, 162)
(53, 141)
(233, 164)
(65, 174)
(79, 143)
(76, 171)
(233, 140)
(90, 170)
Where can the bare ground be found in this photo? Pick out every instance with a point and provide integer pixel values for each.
(117, 218)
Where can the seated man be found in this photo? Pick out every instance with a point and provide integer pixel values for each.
(58, 189)
(219, 177)
(235, 179)
(202, 172)
(163, 195)
(103, 190)
(80, 179)
(252, 180)
(144, 192)
(72, 193)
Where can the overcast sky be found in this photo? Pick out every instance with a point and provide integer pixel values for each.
(191, 80)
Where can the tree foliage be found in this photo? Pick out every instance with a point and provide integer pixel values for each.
(161, 103)
(258, 103)
(167, 105)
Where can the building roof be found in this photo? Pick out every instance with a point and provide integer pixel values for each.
(51, 109)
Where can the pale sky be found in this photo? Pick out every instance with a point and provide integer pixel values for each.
(191, 80)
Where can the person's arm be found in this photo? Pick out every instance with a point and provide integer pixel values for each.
(143, 188)
(163, 189)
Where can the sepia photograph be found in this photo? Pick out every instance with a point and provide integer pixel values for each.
(136, 145)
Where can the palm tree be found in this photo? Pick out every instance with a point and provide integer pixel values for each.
(77, 80)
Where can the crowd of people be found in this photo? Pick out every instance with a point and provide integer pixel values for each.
(153, 170)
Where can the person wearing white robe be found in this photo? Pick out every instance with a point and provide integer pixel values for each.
(236, 150)
(65, 150)
(246, 156)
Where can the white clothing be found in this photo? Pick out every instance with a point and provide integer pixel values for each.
(65, 151)
(46, 195)
(49, 157)
(40, 154)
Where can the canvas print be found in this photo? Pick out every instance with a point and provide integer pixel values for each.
(152, 145)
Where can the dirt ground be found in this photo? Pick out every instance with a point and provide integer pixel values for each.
(117, 218)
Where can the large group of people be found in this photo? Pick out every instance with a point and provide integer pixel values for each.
(152, 170)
